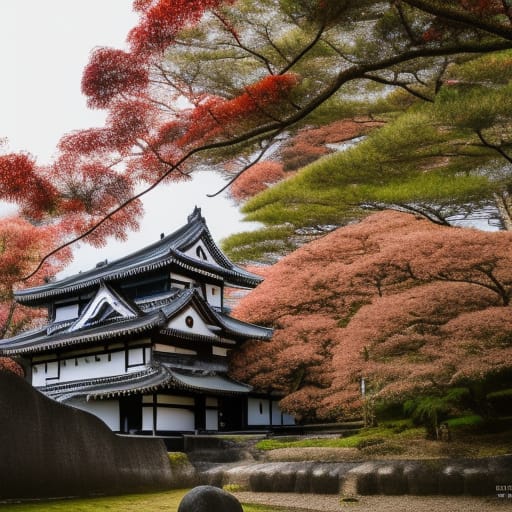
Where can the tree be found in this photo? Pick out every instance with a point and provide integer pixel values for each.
(22, 245)
(9, 365)
(414, 308)
(250, 71)
(259, 177)
(245, 73)
(446, 159)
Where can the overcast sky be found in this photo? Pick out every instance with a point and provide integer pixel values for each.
(44, 46)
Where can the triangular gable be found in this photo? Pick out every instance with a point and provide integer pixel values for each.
(191, 320)
(106, 303)
(190, 313)
(200, 251)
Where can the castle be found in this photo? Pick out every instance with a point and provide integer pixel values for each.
(142, 342)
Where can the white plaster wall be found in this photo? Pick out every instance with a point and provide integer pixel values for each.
(38, 375)
(147, 418)
(279, 417)
(214, 295)
(88, 367)
(174, 419)
(179, 277)
(192, 252)
(105, 410)
(219, 351)
(136, 356)
(212, 419)
(171, 349)
(258, 411)
(67, 312)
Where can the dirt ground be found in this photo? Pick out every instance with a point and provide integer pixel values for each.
(333, 503)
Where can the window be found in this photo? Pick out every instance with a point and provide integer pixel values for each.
(189, 321)
(200, 253)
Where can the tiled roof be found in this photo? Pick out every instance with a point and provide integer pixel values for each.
(150, 380)
(39, 341)
(156, 317)
(166, 252)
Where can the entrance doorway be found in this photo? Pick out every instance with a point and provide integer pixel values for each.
(130, 411)
(232, 413)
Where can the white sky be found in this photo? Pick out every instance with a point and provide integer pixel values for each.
(44, 46)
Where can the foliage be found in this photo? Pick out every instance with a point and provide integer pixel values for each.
(178, 458)
(205, 80)
(309, 143)
(255, 245)
(465, 421)
(9, 365)
(500, 401)
(415, 308)
(257, 178)
(22, 245)
(443, 179)
(365, 438)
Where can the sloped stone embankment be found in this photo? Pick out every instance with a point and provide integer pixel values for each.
(474, 477)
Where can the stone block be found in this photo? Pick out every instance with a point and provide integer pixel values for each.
(360, 480)
(422, 477)
(391, 480)
(451, 480)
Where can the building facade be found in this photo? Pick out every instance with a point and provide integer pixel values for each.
(143, 342)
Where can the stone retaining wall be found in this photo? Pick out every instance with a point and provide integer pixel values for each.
(50, 450)
(475, 477)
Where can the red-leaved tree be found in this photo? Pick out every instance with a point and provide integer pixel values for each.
(259, 177)
(410, 307)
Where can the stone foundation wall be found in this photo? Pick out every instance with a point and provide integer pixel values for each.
(474, 477)
(51, 450)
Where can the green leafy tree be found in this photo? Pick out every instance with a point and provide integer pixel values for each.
(250, 73)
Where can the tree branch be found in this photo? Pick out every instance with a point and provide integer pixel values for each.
(495, 147)
(440, 9)
(396, 83)
(345, 76)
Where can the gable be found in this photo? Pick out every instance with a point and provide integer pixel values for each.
(199, 251)
(189, 320)
(104, 305)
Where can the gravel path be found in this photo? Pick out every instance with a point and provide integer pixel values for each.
(332, 503)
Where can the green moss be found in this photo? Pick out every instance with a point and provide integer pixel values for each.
(366, 437)
(504, 393)
(234, 488)
(178, 458)
(168, 501)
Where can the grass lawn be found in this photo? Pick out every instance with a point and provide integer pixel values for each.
(471, 436)
(164, 501)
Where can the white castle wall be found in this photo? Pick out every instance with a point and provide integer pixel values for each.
(89, 367)
(105, 410)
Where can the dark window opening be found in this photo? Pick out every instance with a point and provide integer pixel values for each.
(200, 253)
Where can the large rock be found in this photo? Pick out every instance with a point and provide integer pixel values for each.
(207, 498)
(50, 450)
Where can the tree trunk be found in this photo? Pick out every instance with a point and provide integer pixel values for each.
(504, 204)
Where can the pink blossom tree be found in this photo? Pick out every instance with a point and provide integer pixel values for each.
(411, 307)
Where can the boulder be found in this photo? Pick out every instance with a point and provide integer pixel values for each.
(206, 498)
